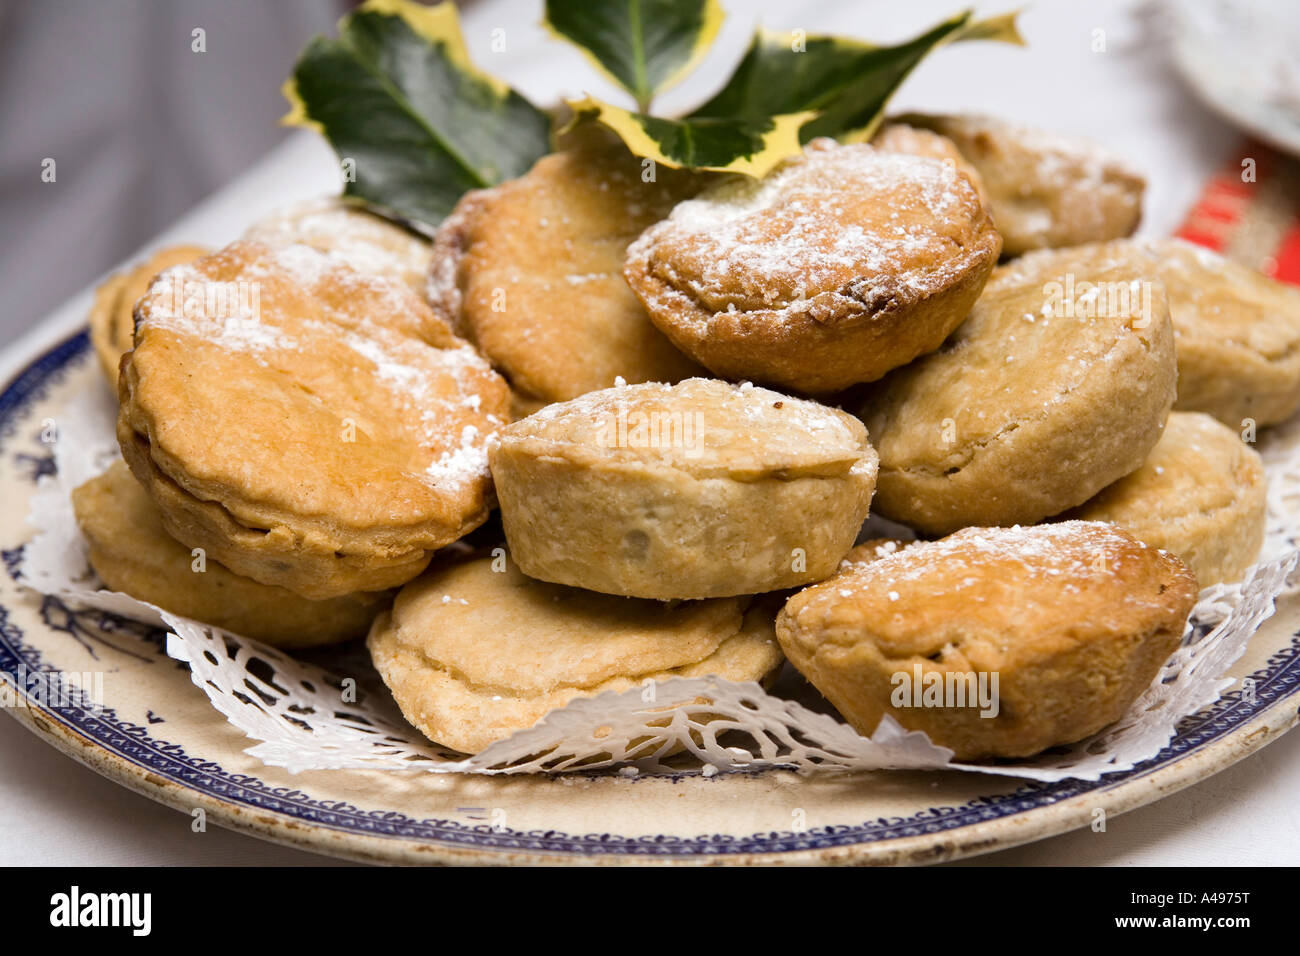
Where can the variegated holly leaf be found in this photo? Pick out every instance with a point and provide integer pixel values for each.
(751, 146)
(787, 90)
(643, 45)
(847, 83)
(414, 122)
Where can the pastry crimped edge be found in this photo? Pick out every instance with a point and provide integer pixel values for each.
(112, 320)
(538, 375)
(824, 345)
(840, 656)
(164, 576)
(305, 560)
(104, 334)
(570, 509)
(312, 555)
(1027, 156)
(1117, 418)
(1220, 371)
(1219, 544)
(436, 699)
(1266, 392)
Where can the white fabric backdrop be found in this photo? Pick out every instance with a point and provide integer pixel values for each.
(53, 811)
(140, 126)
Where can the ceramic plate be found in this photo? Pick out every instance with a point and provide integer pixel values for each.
(157, 735)
(1240, 60)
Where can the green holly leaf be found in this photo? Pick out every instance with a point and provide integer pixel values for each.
(785, 91)
(413, 120)
(847, 83)
(643, 45)
(750, 146)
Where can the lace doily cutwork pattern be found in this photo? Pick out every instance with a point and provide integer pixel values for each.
(305, 716)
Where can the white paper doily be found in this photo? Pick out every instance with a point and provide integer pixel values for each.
(306, 717)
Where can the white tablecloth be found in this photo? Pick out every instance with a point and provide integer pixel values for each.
(53, 811)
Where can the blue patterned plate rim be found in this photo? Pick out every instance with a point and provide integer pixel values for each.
(1275, 683)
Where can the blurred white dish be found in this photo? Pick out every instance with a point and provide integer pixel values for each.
(1241, 59)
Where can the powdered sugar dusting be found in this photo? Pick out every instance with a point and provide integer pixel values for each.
(751, 427)
(295, 718)
(225, 313)
(723, 249)
(1203, 255)
(297, 298)
(1064, 160)
(466, 460)
(1056, 161)
(416, 377)
(1047, 189)
(358, 239)
(1066, 551)
(189, 300)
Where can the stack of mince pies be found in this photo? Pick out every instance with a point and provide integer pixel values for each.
(684, 397)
